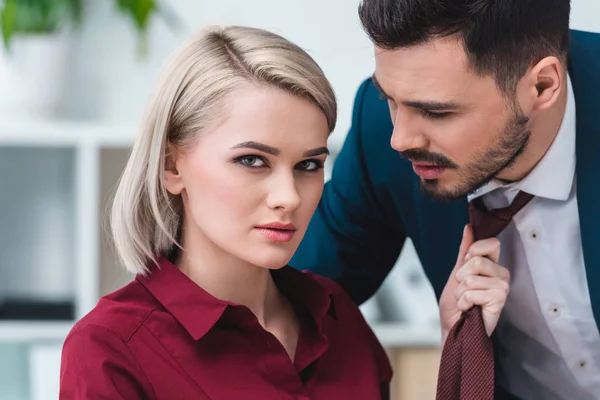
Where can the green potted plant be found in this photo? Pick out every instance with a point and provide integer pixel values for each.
(141, 12)
(33, 55)
(36, 17)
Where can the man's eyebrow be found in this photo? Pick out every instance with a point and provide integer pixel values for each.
(423, 105)
(273, 151)
(379, 88)
(432, 105)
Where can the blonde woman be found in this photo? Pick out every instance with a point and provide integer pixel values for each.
(217, 194)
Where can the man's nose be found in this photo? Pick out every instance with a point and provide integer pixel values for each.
(406, 135)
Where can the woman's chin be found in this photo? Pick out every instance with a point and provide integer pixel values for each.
(271, 258)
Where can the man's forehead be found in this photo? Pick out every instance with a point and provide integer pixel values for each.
(424, 69)
(404, 84)
(427, 59)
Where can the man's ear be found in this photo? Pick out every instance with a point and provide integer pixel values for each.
(547, 80)
(172, 179)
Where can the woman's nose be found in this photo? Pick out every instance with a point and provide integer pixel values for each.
(284, 194)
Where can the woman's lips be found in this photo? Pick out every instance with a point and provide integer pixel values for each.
(277, 231)
(277, 235)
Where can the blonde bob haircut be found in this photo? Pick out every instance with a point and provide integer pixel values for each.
(190, 95)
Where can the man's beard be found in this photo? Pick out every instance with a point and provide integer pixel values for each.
(510, 144)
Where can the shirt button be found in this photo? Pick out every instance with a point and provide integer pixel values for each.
(534, 235)
(554, 310)
(582, 363)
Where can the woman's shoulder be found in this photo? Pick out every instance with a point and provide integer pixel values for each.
(117, 315)
(98, 360)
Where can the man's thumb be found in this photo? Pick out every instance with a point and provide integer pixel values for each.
(467, 240)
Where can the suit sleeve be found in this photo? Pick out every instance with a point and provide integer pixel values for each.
(354, 236)
(98, 365)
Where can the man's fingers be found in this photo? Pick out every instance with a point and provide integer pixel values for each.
(492, 299)
(481, 283)
(482, 266)
(489, 248)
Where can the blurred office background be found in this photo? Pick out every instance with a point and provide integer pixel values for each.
(69, 107)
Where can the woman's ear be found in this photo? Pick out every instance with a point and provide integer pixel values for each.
(172, 179)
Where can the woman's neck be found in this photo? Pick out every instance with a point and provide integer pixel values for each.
(230, 279)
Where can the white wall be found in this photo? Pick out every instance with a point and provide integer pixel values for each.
(585, 15)
(109, 83)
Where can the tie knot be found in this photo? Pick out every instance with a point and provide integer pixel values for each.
(489, 223)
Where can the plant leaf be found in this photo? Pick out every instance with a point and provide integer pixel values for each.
(76, 9)
(139, 10)
(7, 21)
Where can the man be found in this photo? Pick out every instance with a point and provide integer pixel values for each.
(487, 98)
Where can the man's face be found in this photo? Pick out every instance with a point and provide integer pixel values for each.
(455, 126)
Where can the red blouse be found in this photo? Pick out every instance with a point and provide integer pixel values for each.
(162, 337)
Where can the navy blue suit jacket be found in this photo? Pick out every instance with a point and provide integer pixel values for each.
(373, 201)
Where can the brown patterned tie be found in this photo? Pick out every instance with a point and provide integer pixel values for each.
(467, 365)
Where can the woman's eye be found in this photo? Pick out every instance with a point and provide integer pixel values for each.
(251, 161)
(310, 165)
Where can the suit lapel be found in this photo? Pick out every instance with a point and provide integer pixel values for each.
(585, 76)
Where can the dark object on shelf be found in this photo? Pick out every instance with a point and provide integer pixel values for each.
(26, 310)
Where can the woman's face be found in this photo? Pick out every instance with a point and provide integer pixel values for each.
(250, 184)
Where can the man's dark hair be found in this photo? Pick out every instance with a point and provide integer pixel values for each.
(501, 38)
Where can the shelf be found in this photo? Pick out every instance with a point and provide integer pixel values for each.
(37, 237)
(27, 332)
(63, 133)
(391, 335)
(399, 335)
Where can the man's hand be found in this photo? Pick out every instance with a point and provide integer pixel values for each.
(476, 279)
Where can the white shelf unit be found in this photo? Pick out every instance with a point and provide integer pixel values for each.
(41, 158)
(33, 332)
(399, 335)
(97, 154)
(92, 144)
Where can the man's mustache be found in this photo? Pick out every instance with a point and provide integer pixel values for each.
(418, 155)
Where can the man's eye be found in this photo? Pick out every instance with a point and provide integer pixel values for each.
(434, 115)
(251, 161)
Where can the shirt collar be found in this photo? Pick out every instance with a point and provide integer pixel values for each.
(302, 289)
(552, 177)
(198, 311)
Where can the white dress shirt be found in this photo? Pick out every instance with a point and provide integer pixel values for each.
(549, 345)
